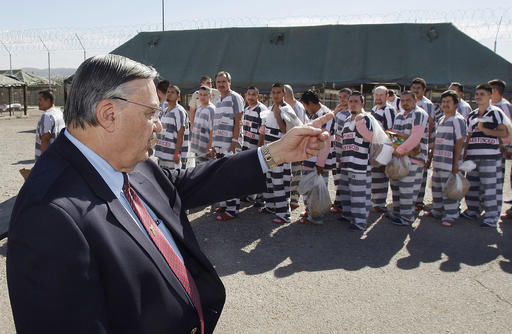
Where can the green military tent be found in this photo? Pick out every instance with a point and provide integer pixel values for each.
(6, 82)
(330, 55)
(30, 79)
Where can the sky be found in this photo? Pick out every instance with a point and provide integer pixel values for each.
(103, 25)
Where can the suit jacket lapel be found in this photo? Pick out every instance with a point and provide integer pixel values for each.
(98, 185)
(155, 197)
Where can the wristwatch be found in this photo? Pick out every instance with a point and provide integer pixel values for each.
(267, 157)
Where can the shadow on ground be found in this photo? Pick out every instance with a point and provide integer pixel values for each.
(28, 131)
(254, 245)
(25, 162)
(5, 215)
(3, 250)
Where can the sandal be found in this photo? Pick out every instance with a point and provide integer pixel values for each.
(507, 215)
(265, 210)
(305, 221)
(447, 223)
(224, 217)
(304, 214)
(378, 210)
(279, 220)
(220, 210)
(334, 209)
(428, 214)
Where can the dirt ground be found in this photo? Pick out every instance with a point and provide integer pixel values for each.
(325, 279)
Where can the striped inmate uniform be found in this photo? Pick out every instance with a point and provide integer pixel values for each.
(435, 114)
(380, 182)
(405, 190)
(464, 108)
(506, 107)
(447, 133)
(339, 121)
(172, 121)
(486, 179)
(223, 126)
(309, 166)
(297, 166)
(250, 133)
(200, 133)
(52, 122)
(277, 196)
(355, 174)
(251, 125)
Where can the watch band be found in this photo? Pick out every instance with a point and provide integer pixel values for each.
(267, 157)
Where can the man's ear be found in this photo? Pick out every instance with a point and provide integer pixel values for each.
(105, 115)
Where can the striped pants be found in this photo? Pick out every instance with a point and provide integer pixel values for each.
(277, 196)
(325, 175)
(355, 196)
(336, 176)
(231, 206)
(421, 193)
(486, 187)
(443, 207)
(405, 191)
(296, 175)
(380, 186)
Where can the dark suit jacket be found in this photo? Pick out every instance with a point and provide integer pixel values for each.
(77, 263)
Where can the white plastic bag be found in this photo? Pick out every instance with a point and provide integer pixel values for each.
(290, 118)
(379, 140)
(467, 166)
(398, 168)
(313, 186)
(456, 187)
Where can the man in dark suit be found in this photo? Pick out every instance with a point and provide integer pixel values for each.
(99, 241)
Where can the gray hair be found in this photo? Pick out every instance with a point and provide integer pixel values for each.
(288, 90)
(98, 78)
(381, 88)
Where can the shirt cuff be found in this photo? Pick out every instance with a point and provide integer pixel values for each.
(263, 164)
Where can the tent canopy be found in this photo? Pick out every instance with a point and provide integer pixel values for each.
(30, 79)
(6, 82)
(337, 55)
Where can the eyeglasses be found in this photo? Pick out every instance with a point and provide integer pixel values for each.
(150, 116)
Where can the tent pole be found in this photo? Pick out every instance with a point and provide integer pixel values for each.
(25, 100)
(10, 100)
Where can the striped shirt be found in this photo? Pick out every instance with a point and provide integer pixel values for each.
(203, 125)
(404, 124)
(429, 107)
(224, 122)
(385, 116)
(251, 125)
(447, 133)
(172, 121)
(355, 150)
(52, 122)
(339, 122)
(480, 145)
(194, 99)
(331, 160)
(505, 106)
(464, 108)
(272, 130)
(300, 111)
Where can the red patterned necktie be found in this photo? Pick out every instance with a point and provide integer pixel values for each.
(174, 261)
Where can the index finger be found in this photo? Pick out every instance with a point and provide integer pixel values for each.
(317, 123)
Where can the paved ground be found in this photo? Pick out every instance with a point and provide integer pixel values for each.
(325, 279)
